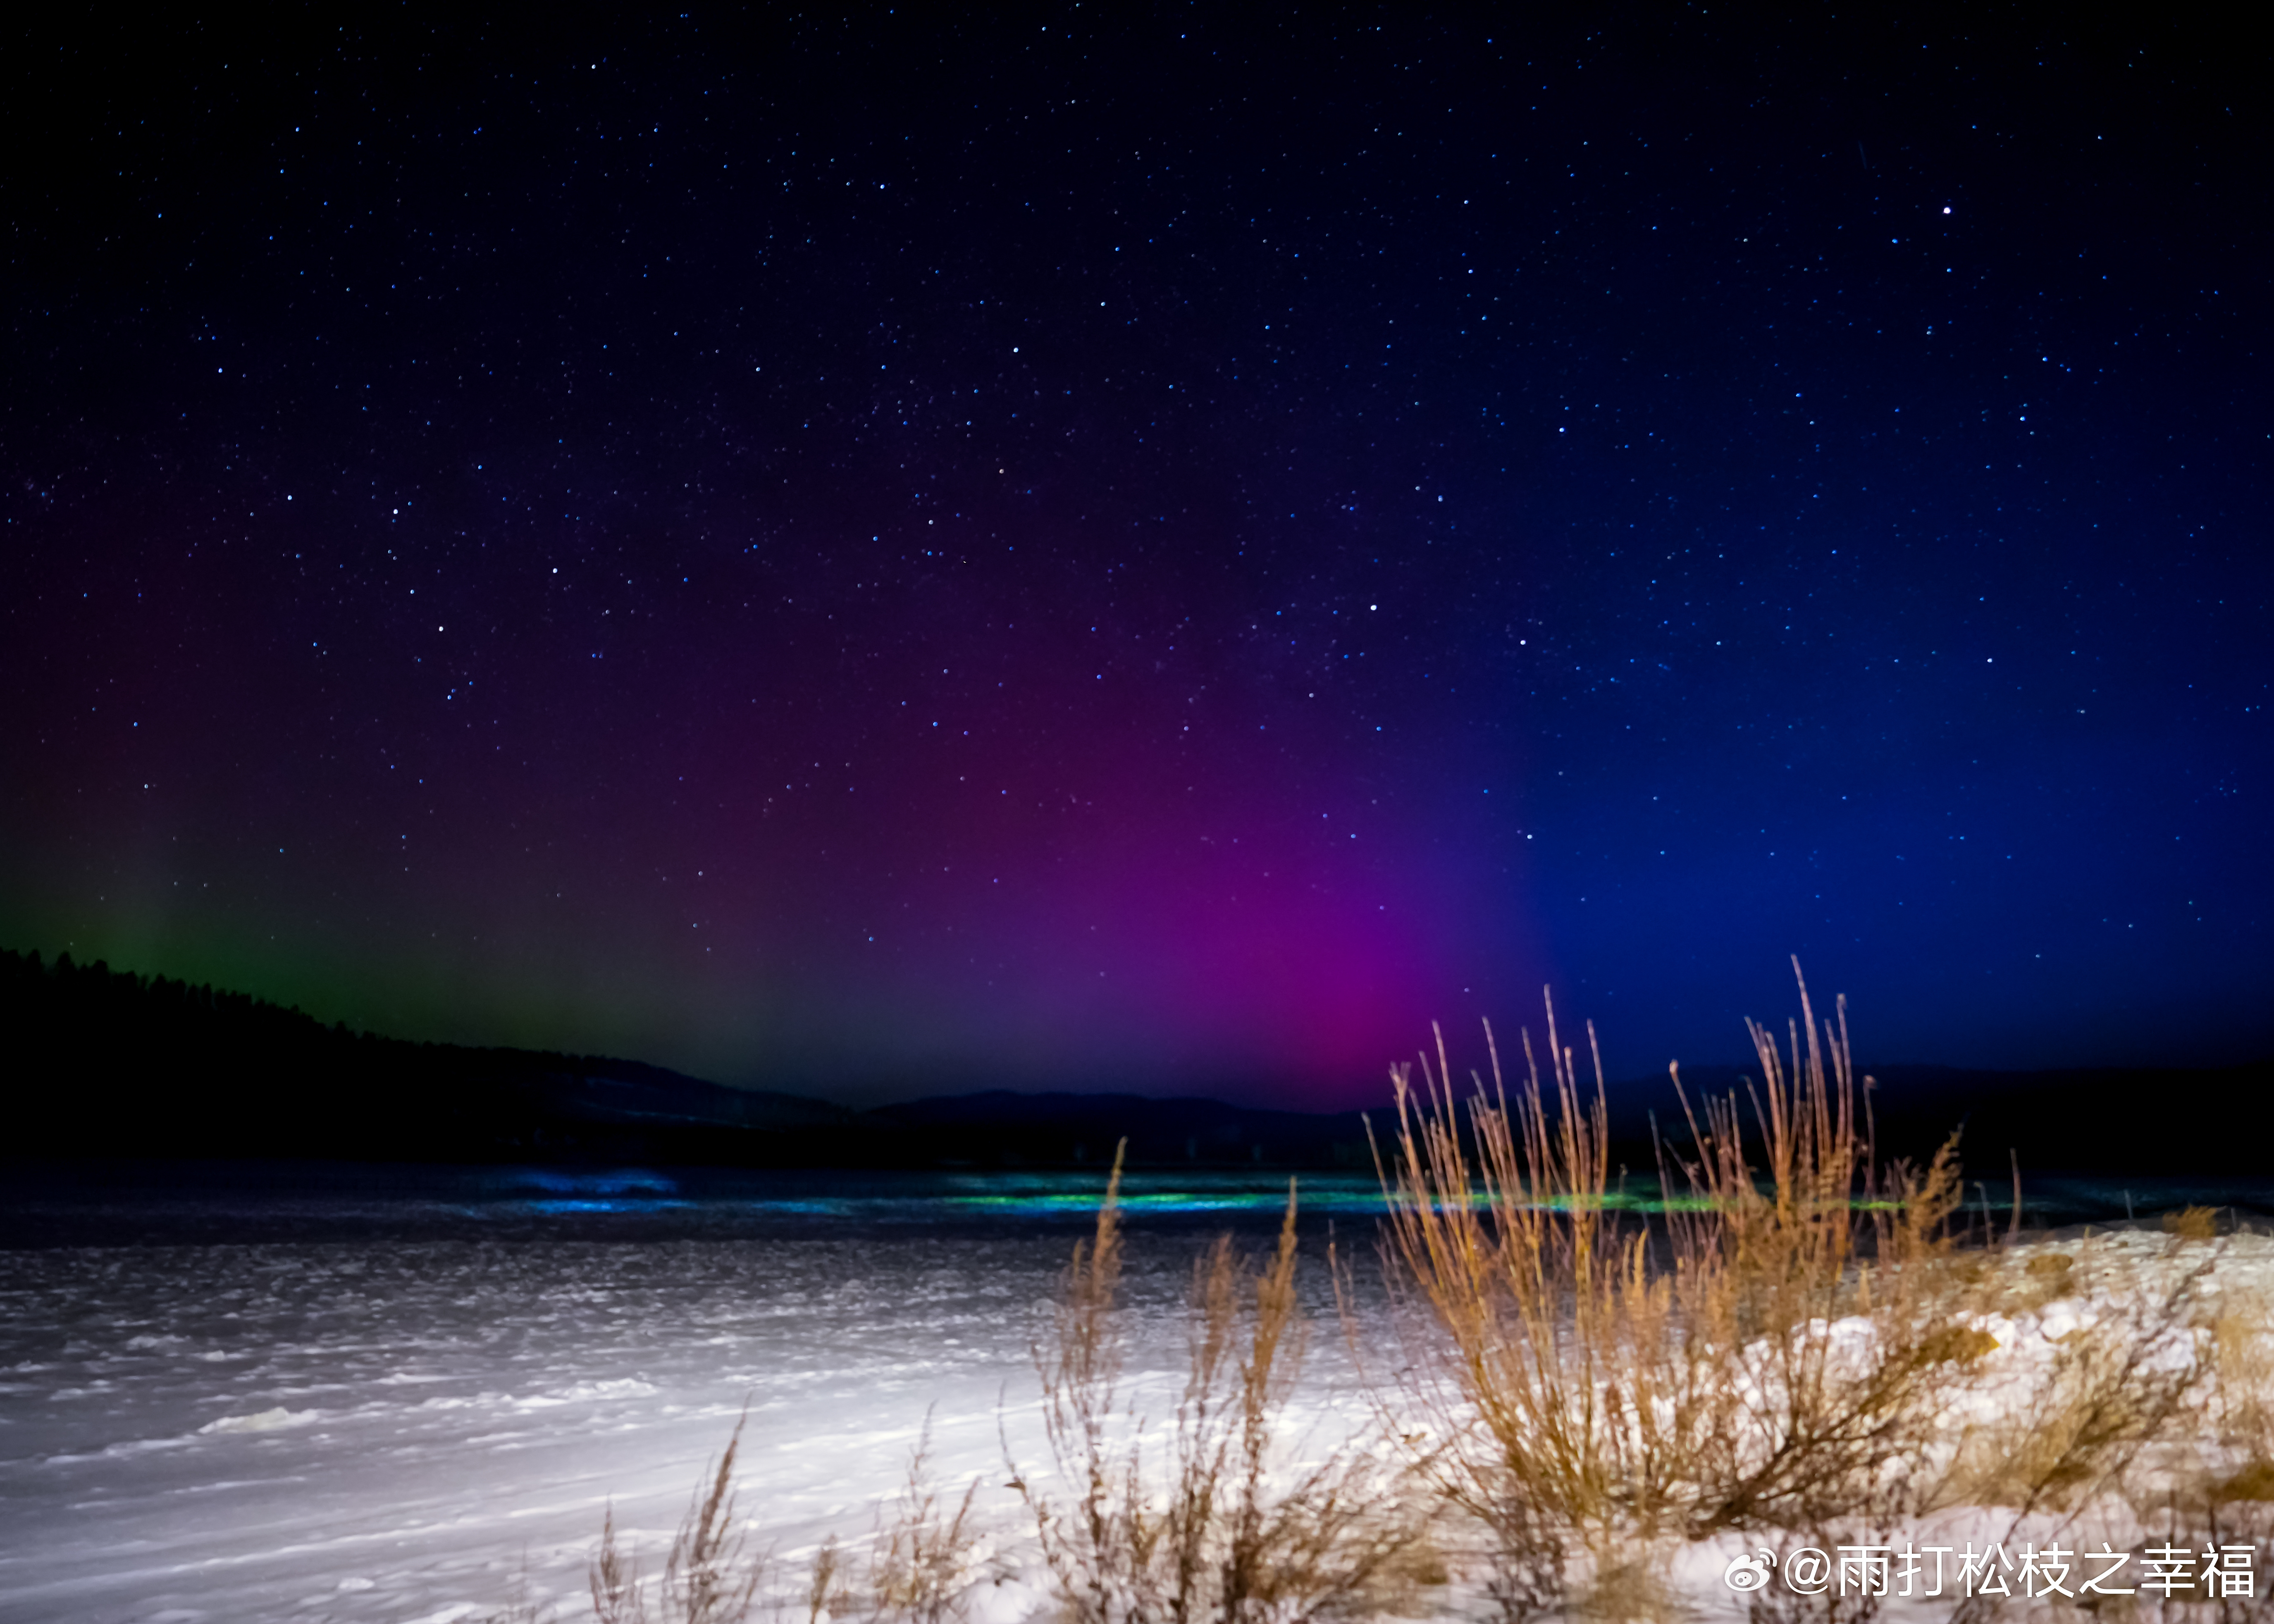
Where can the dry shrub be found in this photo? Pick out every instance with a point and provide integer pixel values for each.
(2063, 1434)
(1214, 1521)
(1409, 1583)
(2192, 1223)
(1795, 1348)
(708, 1576)
(2242, 1392)
(1767, 1357)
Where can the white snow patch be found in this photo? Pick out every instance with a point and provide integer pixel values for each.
(262, 1421)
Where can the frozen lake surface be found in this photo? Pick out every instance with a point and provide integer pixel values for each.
(342, 1393)
(353, 1393)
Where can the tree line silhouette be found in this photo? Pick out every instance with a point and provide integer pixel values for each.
(107, 1062)
(102, 1062)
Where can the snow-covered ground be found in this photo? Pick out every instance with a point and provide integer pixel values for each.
(357, 1405)
(389, 1427)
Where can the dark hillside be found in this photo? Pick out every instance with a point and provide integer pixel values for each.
(104, 1062)
(99, 1063)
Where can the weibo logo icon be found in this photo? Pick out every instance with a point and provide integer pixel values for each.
(1748, 1573)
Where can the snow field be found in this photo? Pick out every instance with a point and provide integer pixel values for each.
(403, 1431)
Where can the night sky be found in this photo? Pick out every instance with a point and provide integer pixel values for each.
(1158, 548)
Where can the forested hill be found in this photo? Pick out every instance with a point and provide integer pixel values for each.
(98, 1062)
(105, 1062)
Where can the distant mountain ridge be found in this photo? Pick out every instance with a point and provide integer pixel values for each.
(97, 1063)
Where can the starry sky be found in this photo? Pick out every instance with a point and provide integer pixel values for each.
(1146, 547)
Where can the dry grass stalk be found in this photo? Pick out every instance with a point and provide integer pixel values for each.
(615, 1579)
(1764, 1358)
(708, 1576)
(825, 1595)
(1826, 1280)
(1096, 1548)
(1200, 1529)
(521, 1606)
(923, 1561)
